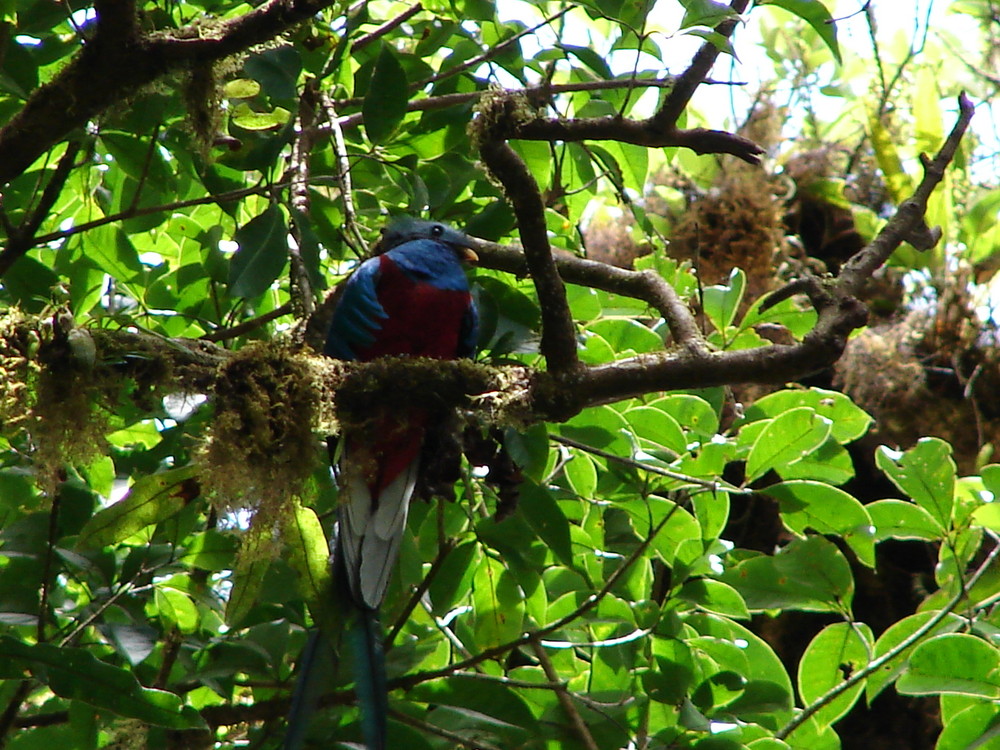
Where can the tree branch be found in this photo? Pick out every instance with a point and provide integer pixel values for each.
(665, 120)
(908, 223)
(558, 330)
(123, 65)
(21, 241)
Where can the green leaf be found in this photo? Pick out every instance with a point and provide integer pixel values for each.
(151, 499)
(581, 474)
(692, 413)
(626, 335)
(835, 654)
(262, 253)
(498, 604)
(721, 302)
(241, 88)
(715, 596)
(309, 557)
(926, 473)
(111, 250)
(705, 13)
(952, 663)
(787, 438)
(252, 564)
(77, 675)
(975, 727)
(454, 578)
(654, 425)
(809, 574)
(894, 635)
(544, 515)
(385, 103)
(210, 550)
(599, 427)
(848, 421)
(278, 70)
(249, 119)
(827, 510)
(529, 449)
(768, 689)
(901, 519)
(175, 608)
(816, 15)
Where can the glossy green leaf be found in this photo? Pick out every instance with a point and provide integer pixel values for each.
(952, 663)
(787, 438)
(581, 474)
(545, 516)
(498, 605)
(836, 653)
(721, 302)
(309, 557)
(76, 674)
(900, 519)
(151, 499)
(895, 635)
(809, 574)
(978, 726)
(925, 473)
(827, 510)
(626, 336)
(385, 103)
(263, 251)
(656, 426)
(715, 596)
(849, 421)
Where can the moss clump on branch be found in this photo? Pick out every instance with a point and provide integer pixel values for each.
(50, 389)
(269, 405)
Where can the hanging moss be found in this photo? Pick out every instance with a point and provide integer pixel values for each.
(269, 406)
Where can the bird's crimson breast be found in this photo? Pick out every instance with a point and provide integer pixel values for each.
(421, 320)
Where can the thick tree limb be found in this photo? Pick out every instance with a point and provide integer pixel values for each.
(124, 60)
(558, 330)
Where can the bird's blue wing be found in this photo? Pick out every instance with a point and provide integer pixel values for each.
(358, 315)
(468, 340)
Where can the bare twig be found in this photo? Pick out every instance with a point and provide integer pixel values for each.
(241, 329)
(23, 238)
(564, 698)
(301, 287)
(344, 176)
(908, 224)
(363, 41)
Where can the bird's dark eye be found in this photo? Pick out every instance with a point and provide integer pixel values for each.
(437, 230)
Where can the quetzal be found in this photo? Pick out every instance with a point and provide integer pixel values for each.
(411, 300)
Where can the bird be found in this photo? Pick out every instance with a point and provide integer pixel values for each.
(412, 299)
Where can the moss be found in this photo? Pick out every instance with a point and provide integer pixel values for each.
(262, 446)
(498, 114)
(51, 391)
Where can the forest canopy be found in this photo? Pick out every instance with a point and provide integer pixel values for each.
(720, 475)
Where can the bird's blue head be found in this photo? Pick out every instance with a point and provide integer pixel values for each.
(406, 229)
